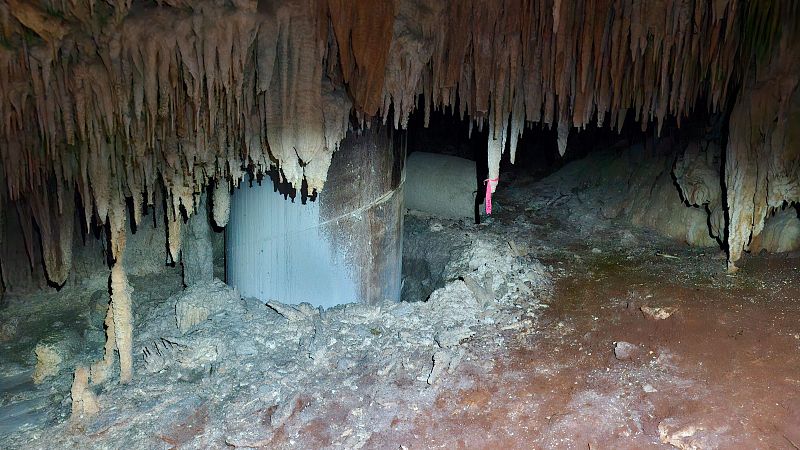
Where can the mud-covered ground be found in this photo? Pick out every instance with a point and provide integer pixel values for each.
(535, 329)
(601, 367)
(722, 372)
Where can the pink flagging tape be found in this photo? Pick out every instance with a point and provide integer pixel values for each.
(488, 183)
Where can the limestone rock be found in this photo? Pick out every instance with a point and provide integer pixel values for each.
(658, 312)
(294, 313)
(697, 174)
(198, 302)
(624, 351)
(444, 360)
(441, 185)
(159, 354)
(635, 183)
(197, 256)
(52, 351)
(187, 353)
(683, 438)
(453, 337)
(84, 401)
(9, 329)
(781, 233)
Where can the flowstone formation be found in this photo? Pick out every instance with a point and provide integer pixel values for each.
(763, 156)
(127, 104)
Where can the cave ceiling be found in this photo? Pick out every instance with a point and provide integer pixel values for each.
(103, 101)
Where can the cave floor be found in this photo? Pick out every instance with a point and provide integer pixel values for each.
(571, 358)
(593, 370)
(599, 369)
(723, 371)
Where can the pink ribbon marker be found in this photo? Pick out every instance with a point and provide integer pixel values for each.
(488, 183)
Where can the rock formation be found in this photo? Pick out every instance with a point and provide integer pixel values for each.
(52, 351)
(197, 258)
(84, 401)
(763, 156)
(131, 104)
(119, 318)
(117, 101)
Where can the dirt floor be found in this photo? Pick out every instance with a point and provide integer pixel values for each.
(722, 372)
(546, 328)
(602, 368)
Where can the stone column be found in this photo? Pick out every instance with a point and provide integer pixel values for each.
(197, 256)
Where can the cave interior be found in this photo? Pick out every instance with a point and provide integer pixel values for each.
(399, 224)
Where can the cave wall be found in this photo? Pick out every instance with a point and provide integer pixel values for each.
(20, 272)
(126, 105)
(668, 185)
(146, 254)
(635, 182)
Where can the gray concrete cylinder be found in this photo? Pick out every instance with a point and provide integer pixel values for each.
(441, 185)
(346, 246)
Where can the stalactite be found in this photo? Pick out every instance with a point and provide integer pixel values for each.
(221, 203)
(497, 143)
(294, 114)
(563, 134)
(174, 237)
(123, 98)
(364, 34)
(49, 27)
(412, 47)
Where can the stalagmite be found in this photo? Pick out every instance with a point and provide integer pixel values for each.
(123, 320)
(50, 354)
(84, 401)
(99, 371)
(196, 257)
(119, 318)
